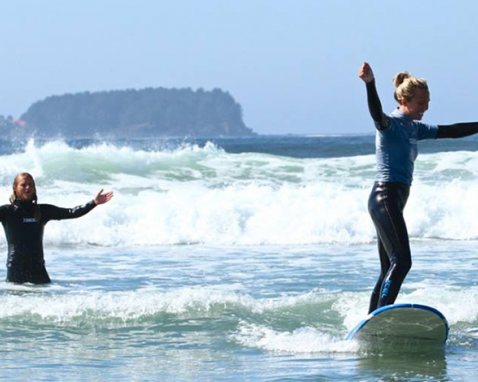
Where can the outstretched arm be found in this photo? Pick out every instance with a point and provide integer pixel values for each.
(374, 105)
(50, 212)
(457, 130)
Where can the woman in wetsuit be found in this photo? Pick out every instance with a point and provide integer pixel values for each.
(24, 220)
(396, 150)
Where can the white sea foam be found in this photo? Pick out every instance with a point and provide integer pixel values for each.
(204, 195)
(456, 303)
(24, 301)
(299, 341)
(97, 306)
(107, 309)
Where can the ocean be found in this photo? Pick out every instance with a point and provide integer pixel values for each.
(234, 259)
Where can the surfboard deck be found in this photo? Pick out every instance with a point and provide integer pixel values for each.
(396, 324)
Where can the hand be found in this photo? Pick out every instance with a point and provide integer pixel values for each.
(365, 73)
(102, 198)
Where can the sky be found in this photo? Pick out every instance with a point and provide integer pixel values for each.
(291, 64)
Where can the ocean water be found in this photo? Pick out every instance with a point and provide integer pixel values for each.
(234, 260)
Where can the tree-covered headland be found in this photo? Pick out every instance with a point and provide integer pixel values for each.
(151, 112)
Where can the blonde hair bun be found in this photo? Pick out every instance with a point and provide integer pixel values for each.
(400, 77)
(406, 86)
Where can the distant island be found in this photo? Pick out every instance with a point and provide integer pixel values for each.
(145, 113)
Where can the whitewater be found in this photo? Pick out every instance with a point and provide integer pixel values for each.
(234, 259)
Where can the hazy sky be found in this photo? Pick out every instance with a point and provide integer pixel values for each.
(291, 64)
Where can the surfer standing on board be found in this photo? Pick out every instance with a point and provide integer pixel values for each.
(396, 150)
(24, 220)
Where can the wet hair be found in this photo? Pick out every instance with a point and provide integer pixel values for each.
(13, 197)
(406, 86)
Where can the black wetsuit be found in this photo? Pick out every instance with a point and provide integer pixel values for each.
(24, 224)
(386, 203)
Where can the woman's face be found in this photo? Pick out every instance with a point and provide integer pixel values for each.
(417, 106)
(24, 188)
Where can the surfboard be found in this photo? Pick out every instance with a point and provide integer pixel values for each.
(396, 324)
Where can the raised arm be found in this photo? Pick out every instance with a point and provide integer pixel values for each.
(374, 105)
(457, 130)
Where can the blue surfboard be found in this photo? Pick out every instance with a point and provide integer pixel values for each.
(402, 324)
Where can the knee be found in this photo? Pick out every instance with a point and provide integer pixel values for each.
(372, 207)
(403, 266)
(407, 265)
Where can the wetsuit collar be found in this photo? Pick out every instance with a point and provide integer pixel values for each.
(399, 114)
(26, 206)
(21, 203)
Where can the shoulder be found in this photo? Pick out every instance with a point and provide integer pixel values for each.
(390, 123)
(5, 210)
(426, 131)
(6, 207)
(47, 207)
(398, 118)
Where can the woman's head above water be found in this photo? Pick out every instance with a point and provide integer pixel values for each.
(23, 188)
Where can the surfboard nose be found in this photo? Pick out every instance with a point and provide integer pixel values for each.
(402, 324)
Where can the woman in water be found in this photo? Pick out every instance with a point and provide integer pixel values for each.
(24, 221)
(396, 150)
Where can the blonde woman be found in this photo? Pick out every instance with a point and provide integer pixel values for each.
(396, 150)
(24, 220)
